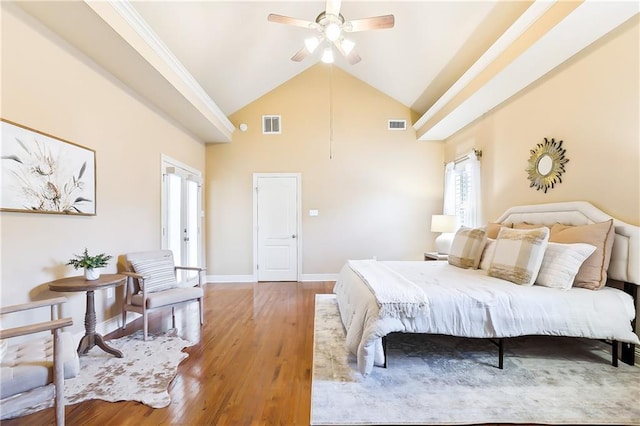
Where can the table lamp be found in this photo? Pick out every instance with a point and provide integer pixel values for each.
(447, 225)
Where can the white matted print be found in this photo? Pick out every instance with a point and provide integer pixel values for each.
(41, 173)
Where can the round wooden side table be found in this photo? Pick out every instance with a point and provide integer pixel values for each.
(90, 338)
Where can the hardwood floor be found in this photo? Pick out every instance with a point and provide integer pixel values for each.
(251, 365)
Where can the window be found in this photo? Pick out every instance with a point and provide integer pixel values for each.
(462, 196)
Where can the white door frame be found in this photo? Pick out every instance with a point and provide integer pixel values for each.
(298, 177)
(165, 161)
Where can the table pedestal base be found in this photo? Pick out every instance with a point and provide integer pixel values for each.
(91, 338)
(89, 341)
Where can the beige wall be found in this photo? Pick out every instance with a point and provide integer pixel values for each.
(49, 86)
(592, 104)
(375, 189)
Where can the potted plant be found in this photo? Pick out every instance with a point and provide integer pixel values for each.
(91, 264)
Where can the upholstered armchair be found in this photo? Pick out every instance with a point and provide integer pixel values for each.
(33, 370)
(152, 284)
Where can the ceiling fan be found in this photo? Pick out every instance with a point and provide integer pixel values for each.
(331, 27)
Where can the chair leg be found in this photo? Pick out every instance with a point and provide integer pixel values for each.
(124, 319)
(145, 325)
(58, 377)
(173, 317)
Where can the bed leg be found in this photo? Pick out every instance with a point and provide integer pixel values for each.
(628, 353)
(384, 351)
(500, 353)
(628, 349)
(614, 353)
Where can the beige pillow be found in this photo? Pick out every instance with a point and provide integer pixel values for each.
(487, 254)
(593, 272)
(467, 247)
(518, 254)
(494, 228)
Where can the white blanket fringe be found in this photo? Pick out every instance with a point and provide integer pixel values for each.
(397, 297)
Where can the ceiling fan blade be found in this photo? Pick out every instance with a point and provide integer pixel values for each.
(353, 57)
(373, 23)
(300, 55)
(333, 7)
(287, 20)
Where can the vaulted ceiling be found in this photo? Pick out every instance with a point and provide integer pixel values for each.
(449, 61)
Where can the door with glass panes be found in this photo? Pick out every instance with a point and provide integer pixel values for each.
(182, 217)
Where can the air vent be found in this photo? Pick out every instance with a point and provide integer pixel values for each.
(397, 125)
(271, 125)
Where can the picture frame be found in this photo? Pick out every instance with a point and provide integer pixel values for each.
(41, 173)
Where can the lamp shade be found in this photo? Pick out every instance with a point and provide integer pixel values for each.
(444, 223)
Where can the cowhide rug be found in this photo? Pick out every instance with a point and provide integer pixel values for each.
(143, 374)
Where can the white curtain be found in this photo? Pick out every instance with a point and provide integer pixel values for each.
(462, 191)
(449, 205)
(474, 212)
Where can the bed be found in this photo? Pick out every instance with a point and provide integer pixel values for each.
(376, 299)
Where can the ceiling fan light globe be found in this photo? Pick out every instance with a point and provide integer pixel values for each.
(327, 56)
(347, 46)
(311, 44)
(332, 31)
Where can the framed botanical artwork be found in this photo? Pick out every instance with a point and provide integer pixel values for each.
(41, 173)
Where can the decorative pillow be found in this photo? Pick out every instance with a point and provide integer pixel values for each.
(518, 254)
(593, 272)
(467, 247)
(561, 263)
(160, 272)
(494, 228)
(487, 254)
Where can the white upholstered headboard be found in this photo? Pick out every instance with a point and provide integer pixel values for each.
(625, 257)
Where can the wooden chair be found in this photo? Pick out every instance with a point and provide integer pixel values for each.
(152, 284)
(27, 372)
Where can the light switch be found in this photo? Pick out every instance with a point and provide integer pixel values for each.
(313, 212)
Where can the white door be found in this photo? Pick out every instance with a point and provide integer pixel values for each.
(277, 240)
(182, 216)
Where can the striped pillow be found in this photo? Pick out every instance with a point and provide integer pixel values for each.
(518, 254)
(467, 247)
(160, 273)
(561, 263)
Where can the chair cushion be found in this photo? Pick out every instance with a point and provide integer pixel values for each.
(168, 297)
(29, 365)
(160, 273)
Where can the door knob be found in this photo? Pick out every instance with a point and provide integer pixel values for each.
(293, 236)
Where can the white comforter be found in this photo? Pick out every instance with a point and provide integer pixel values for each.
(469, 303)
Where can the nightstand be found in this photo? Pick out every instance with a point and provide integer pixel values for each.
(432, 255)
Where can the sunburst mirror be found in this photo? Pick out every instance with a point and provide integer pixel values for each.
(546, 164)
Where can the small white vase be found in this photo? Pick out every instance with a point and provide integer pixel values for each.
(91, 274)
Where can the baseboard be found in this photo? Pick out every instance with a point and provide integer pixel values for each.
(254, 279)
(318, 277)
(231, 279)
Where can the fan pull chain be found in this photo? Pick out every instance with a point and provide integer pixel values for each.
(331, 112)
